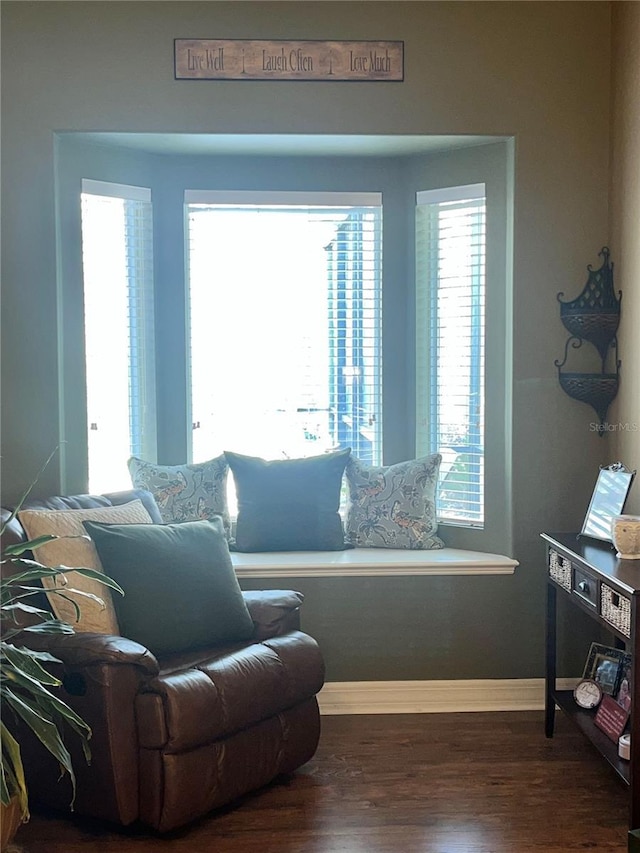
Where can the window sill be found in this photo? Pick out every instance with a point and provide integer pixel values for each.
(370, 562)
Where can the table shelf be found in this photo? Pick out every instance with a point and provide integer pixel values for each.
(585, 721)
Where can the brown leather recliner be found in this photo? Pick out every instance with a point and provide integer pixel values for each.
(175, 737)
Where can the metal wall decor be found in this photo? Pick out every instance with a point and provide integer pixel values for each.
(593, 316)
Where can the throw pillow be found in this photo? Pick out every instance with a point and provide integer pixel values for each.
(393, 506)
(185, 492)
(128, 495)
(181, 591)
(289, 504)
(79, 552)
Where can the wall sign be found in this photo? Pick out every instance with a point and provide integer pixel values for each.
(236, 59)
(611, 718)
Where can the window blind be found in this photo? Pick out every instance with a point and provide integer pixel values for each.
(117, 257)
(450, 344)
(284, 305)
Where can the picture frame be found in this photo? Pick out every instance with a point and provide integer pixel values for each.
(605, 665)
(607, 501)
(623, 693)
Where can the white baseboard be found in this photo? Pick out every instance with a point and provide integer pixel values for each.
(430, 697)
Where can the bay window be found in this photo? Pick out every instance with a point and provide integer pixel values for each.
(285, 323)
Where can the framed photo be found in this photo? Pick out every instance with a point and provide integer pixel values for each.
(604, 666)
(607, 501)
(623, 695)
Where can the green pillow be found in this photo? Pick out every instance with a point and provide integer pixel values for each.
(181, 591)
(289, 504)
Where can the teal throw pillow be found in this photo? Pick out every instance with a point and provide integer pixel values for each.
(180, 589)
(289, 504)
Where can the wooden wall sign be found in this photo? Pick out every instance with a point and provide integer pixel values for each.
(235, 59)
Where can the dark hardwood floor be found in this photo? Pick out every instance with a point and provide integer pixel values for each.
(432, 783)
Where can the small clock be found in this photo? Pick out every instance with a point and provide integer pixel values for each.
(587, 693)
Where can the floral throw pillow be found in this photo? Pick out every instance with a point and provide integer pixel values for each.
(393, 506)
(185, 492)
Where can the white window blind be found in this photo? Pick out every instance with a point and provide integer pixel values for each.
(117, 262)
(450, 341)
(284, 293)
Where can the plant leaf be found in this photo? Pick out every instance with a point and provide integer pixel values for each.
(71, 601)
(35, 572)
(53, 627)
(5, 782)
(44, 729)
(83, 732)
(5, 797)
(22, 660)
(97, 576)
(21, 682)
(46, 656)
(25, 592)
(13, 592)
(64, 593)
(46, 615)
(12, 766)
(19, 548)
(38, 572)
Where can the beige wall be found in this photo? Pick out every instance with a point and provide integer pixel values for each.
(536, 71)
(625, 230)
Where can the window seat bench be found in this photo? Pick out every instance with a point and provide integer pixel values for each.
(370, 562)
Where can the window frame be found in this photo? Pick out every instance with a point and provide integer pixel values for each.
(349, 327)
(137, 238)
(428, 324)
(493, 165)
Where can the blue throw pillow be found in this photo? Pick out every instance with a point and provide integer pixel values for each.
(289, 504)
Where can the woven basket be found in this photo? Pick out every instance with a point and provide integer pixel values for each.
(560, 569)
(615, 609)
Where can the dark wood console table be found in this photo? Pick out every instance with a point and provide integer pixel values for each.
(592, 578)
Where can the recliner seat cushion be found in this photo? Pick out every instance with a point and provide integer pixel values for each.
(199, 698)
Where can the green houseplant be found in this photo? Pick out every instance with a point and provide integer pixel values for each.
(26, 697)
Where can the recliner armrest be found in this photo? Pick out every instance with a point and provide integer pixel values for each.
(274, 612)
(101, 676)
(88, 649)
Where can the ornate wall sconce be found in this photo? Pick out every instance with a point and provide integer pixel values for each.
(593, 316)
